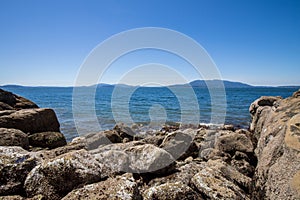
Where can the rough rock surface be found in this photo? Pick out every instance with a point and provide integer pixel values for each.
(15, 164)
(47, 140)
(55, 178)
(276, 127)
(176, 191)
(119, 188)
(148, 158)
(11, 101)
(31, 120)
(13, 137)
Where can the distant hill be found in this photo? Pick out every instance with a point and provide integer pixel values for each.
(195, 83)
(217, 84)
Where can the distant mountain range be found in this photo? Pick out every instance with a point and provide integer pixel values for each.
(195, 83)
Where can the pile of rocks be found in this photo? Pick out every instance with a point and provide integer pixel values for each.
(176, 162)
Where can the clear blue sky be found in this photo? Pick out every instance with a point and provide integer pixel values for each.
(45, 42)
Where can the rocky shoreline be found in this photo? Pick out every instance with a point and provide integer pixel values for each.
(176, 162)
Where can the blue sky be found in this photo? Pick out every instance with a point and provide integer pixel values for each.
(45, 42)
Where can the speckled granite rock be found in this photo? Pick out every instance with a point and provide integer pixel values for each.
(276, 126)
(119, 188)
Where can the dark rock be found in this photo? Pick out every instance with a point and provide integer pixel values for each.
(49, 140)
(31, 120)
(156, 140)
(4, 106)
(13, 137)
(15, 101)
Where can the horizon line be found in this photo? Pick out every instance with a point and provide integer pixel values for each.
(129, 85)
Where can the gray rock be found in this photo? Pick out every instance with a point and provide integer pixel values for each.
(180, 145)
(174, 191)
(119, 188)
(148, 158)
(57, 177)
(115, 161)
(212, 185)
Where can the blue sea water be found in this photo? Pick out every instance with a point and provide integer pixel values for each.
(140, 102)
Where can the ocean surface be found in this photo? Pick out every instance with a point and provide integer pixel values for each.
(143, 105)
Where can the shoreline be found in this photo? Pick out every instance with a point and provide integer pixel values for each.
(175, 162)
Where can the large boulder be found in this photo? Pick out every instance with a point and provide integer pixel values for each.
(276, 127)
(212, 185)
(47, 140)
(233, 142)
(57, 177)
(14, 101)
(15, 164)
(96, 140)
(115, 161)
(31, 120)
(148, 158)
(119, 188)
(180, 144)
(174, 191)
(13, 137)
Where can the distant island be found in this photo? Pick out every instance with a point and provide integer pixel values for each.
(196, 84)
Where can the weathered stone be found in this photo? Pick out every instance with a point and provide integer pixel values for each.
(119, 188)
(124, 131)
(47, 140)
(13, 137)
(148, 158)
(213, 185)
(180, 145)
(116, 146)
(296, 94)
(277, 131)
(174, 191)
(15, 164)
(231, 174)
(4, 106)
(15, 101)
(228, 127)
(31, 120)
(57, 177)
(184, 173)
(115, 161)
(234, 142)
(18, 197)
(96, 140)
(156, 140)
